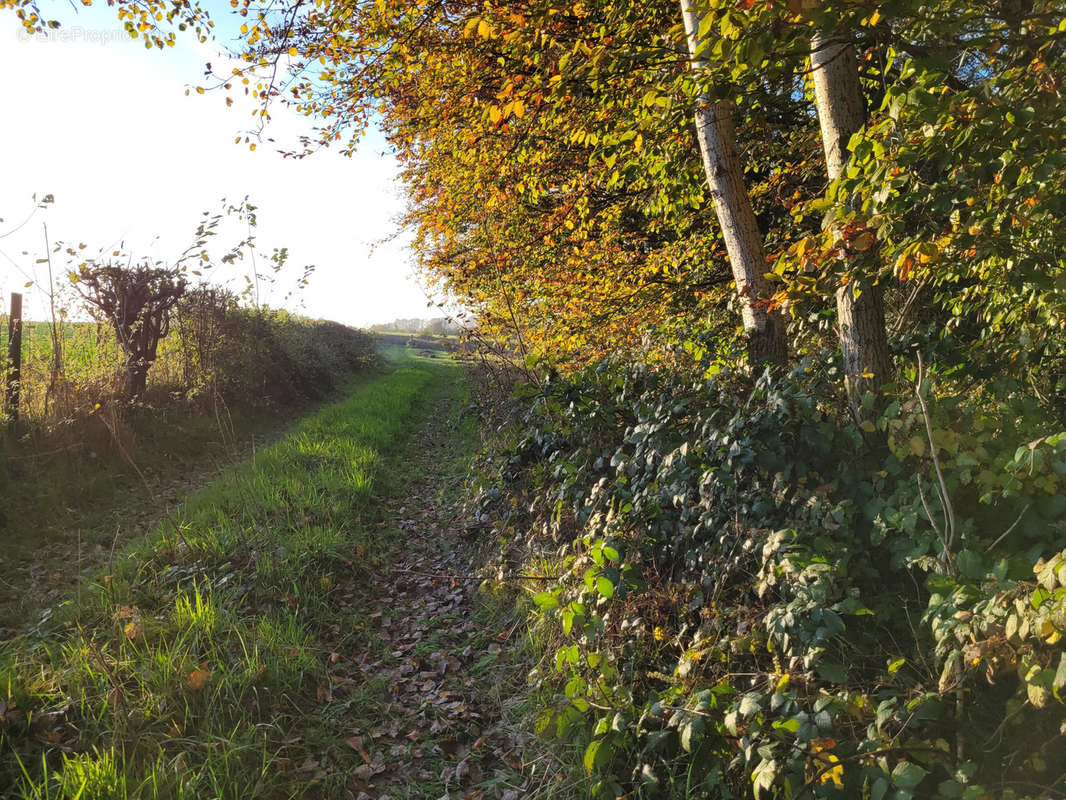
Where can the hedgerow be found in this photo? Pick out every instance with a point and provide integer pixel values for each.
(751, 595)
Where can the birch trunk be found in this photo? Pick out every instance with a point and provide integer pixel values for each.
(765, 330)
(861, 319)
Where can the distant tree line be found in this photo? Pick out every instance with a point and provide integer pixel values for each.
(438, 325)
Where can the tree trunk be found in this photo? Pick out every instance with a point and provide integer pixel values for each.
(136, 378)
(764, 329)
(863, 341)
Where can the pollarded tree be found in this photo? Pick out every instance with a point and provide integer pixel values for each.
(136, 301)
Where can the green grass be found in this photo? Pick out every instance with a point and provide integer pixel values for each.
(64, 502)
(428, 345)
(198, 667)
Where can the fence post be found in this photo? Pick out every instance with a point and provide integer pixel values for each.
(14, 358)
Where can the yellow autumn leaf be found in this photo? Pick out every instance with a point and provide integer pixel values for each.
(196, 680)
(835, 773)
(903, 266)
(484, 28)
(293, 52)
(825, 764)
(927, 252)
(1049, 632)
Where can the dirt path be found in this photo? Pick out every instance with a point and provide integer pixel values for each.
(446, 660)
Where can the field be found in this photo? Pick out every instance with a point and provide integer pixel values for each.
(85, 470)
(89, 351)
(429, 345)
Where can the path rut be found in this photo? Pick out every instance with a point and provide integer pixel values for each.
(446, 726)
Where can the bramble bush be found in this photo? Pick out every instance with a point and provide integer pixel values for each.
(753, 596)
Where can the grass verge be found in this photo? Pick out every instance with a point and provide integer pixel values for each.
(66, 502)
(194, 668)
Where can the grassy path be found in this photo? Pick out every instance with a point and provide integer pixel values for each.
(442, 673)
(285, 634)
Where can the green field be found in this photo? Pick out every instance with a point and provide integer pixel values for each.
(429, 345)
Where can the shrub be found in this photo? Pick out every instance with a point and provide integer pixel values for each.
(754, 596)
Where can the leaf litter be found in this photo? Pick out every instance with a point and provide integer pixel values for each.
(444, 725)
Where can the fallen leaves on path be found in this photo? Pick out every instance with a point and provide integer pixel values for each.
(440, 729)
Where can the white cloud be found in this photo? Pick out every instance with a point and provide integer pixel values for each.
(104, 125)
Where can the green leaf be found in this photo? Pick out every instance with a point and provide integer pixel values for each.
(705, 24)
(605, 587)
(691, 732)
(546, 601)
(764, 775)
(595, 755)
(749, 704)
(568, 622)
(790, 725)
(950, 788)
(1059, 681)
(907, 775)
(970, 565)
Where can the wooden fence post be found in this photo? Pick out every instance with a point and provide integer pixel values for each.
(14, 358)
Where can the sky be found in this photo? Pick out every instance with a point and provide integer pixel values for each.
(104, 126)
